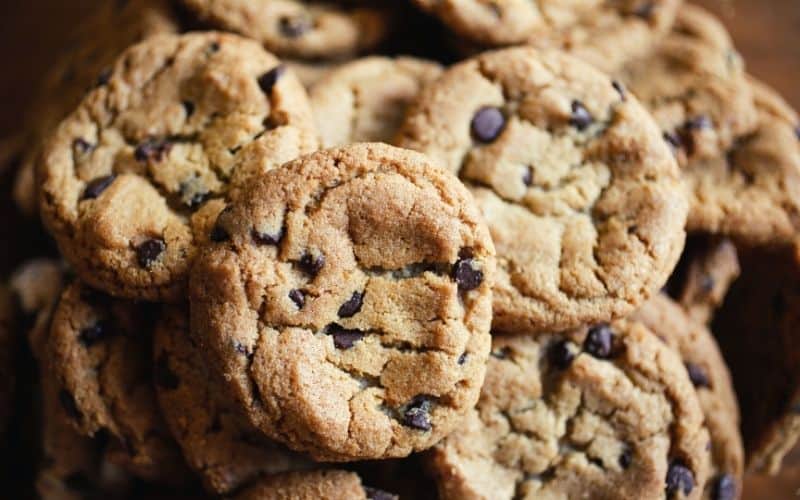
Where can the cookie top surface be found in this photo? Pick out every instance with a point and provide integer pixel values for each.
(131, 178)
(100, 353)
(347, 300)
(311, 485)
(709, 375)
(296, 28)
(608, 410)
(582, 195)
(752, 193)
(695, 86)
(218, 443)
(366, 100)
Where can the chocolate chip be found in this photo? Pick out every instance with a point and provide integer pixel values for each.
(294, 26)
(104, 77)
(698, 375)
(214, 47)
(149, 251)
(707, 284)
(298, 297)
(95, 333)
(69, 405)
(581, 118)
(625, 458)
(164, 376)
(645, 11)
(219, 234)
(188, 107)
(266, 238)
(620, 89)
(342, 337)
(673, 140)
(599, 341)
(270, 78)
(466, 276)
(561, 355)
(462, 359)
(96, 187)
(352, 306)
(527, 176)
(698, 123)
(679, 479)
(311, 265)
(241, 349)
(193, 192)
(724, 488)
(417, 414)
(487, 124)
(152, 149)
(81, 146)
(376, 494)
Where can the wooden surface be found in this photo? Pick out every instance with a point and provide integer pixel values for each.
(767, 33)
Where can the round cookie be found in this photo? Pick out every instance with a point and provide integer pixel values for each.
(131, 180)
(299, 29)
(111, 28)
(313, 485)
(347, 301)
(695, 86)
(608, 410)
(99, 350)
(218, 443)
(757, 332)
(752, 193)
(709, 375)
(366, 100)
(8, 347)
(581, 194)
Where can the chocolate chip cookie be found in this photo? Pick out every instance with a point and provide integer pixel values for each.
(601, 412)
(346, 298)
(218, 443)
(299, 29)
(712, 381)
(695, 85)
(100, 353)
(312, 485)
(366, 100)
(752, 193)
(582, 195)
(131, 180)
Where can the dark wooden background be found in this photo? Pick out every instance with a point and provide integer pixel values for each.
(767, 33)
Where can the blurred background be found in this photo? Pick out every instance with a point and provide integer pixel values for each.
(767, 33)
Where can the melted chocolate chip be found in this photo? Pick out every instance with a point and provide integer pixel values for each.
(581, 118)
(93, 334)
(69, 405)
(149, 251)
(268, 80)
(294, 26)
(599, 341)
(724, 488)
(219, 234)
(527, 176)
(625, 458)
(152, 150)
(620, 89)
(679, 479)
(417, 414)
(376, 494)
(466, 276)
(561, 355)
(298, 297)
(698, 375)
(311, 265)
(104, 77)
(188, 107)
(462, 359)
(487, 124)
(96, 187)
(266, 238)
(342, 337)
(164, 376)
(352, 306)
(81, 146)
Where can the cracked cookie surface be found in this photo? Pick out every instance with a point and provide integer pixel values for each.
(709, 375)
(366, 100)
(217, 441)
(347, 300)
(695, 86)
(300, 29)
(608, 410)
(99, 350)
(132, 178)
(582, 196)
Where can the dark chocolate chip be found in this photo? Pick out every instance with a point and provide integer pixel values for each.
(164, 376)
(188, 107)
(487, 124)
(527, 176)
(214, 47)
(152, 149)
(707, 284)
(81, 146)
(698, 123)
(581, 118)
(96, 187)
(294, 26)
(241, 349)
(268, 80)
(352, 306)
(69, 405)
(219, 234)
(620, 89)
(673, 140)
(266, 238)
(311, 265)
(466, 276)
(343, 338)
(625, 458)
(679, 479)
(698, 375)
(561, 355)
(149, 251)
(599, 341)
(104, 77)
(376, 494)
(93, 334)
(417, 414)
(724, 488)
(298, 297)
(462, 359)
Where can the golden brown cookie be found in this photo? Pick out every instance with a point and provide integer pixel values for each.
(313, 485)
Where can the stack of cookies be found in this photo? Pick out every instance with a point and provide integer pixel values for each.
(552, 253)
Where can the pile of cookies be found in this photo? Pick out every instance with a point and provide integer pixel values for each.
(453, 249)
